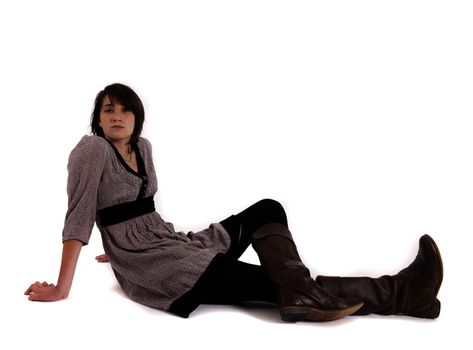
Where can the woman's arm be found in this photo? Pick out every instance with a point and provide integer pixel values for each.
(49, 292)
(85, 167)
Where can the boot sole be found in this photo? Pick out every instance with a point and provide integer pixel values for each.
(305, 313)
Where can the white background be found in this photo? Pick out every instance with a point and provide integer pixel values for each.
(355, 115)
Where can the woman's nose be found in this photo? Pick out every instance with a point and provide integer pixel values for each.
(117, 116)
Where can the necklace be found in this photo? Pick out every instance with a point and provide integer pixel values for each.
(130, 152)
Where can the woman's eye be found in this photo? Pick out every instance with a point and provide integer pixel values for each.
(108, 110)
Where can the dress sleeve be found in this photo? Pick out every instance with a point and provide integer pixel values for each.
(85, 168)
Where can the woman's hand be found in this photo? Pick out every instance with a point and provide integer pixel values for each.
(44, 292)
(102, 258)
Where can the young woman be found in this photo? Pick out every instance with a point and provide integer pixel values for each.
(112, 182)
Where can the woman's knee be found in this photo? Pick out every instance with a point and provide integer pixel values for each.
(271, 205)
(273, 209)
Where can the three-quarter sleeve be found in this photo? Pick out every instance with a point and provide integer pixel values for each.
(85, 167)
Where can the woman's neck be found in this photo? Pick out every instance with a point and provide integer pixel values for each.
(123, 146)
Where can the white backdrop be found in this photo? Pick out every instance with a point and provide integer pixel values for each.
(355, 115)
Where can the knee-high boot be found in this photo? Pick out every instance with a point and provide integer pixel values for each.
(412, 292)
(299, 297)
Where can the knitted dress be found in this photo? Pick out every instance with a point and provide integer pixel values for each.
(154, 264)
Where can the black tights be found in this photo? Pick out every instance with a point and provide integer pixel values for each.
(241, 226)
(228, 280)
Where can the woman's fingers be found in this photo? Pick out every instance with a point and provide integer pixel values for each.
(43, 292)
(30, 288)
(38, 287)
(39, 297)
(101, 258)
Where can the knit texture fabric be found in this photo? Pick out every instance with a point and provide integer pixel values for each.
(153, 263)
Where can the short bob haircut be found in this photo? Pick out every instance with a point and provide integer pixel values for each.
(119, 93)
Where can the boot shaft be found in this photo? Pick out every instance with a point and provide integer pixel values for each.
(412, 291)
(276, 249)
(293, 284)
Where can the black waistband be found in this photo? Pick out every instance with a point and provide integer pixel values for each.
(125, 211)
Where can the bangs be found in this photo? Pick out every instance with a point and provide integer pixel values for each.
(119, 96)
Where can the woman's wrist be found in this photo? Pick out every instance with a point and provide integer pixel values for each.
(63, 290)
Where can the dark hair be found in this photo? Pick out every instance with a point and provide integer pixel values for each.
(126, 96)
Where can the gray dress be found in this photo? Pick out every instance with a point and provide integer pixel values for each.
(154, 264)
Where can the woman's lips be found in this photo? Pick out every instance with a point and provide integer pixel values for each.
(118, 127)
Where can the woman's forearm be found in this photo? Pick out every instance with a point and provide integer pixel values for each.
(70, 254)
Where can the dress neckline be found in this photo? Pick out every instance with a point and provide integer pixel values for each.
(141, 173)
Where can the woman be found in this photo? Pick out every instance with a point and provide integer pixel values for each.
(112, 182)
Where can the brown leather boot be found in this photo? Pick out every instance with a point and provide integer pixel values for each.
(412, 292)
(299, 297)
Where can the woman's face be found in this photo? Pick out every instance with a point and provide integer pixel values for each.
(116, 121)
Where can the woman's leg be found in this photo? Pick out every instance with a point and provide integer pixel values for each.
(299, 297)
(264, 225)
(232, 282)
(412, 292)
(226, 281)
(242, 225)
(282, 277)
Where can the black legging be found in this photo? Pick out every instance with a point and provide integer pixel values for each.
(241, 226)
(228, 280)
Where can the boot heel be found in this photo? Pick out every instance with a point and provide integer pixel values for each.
(434, 309)
(301, 313)
(294, 313)
(431, 311)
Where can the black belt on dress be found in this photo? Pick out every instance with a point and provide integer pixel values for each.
(125, 211)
